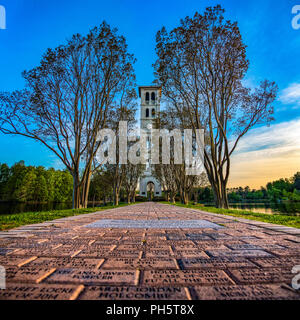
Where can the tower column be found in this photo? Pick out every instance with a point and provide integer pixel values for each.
(150, 108)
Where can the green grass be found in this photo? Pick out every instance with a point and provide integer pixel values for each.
(16, 220)
(10, 221)
(285, 220)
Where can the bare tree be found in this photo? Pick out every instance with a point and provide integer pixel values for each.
(67, 98)
(165, 174)
(125, 111)
(122, 110)
(200, 66)
(201, 182)
(132, 174)
(185, 183)
(173, 176)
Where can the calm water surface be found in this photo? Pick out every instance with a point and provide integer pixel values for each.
(286, 208)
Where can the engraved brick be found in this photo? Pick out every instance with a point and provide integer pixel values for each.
(215, 263)
(256, 275)
(22, 291)
(238, 253)
(133, 293)
(82, 276)
(27, 274)
(243, 292)
(145, 263)
(185, 277)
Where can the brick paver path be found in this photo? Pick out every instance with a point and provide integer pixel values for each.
(150, 251)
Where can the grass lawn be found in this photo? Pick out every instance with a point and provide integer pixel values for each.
(285, 220)
(10, 221)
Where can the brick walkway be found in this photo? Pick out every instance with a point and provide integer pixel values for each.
(150, 251)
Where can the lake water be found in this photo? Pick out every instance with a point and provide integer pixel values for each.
(286, 208)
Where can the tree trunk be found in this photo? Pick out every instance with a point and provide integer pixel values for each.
(86, 190)
(167, 196)
(182, 196)
(116, 197)
(220, 194)
(173, 198)
(76, 192)
(195, 196)
(224, 196)
(185, 198)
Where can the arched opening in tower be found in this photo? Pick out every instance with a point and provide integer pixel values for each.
(147, 97)
(153, 97)
(150, 190)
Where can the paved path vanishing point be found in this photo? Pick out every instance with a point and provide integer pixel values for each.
(150, 251)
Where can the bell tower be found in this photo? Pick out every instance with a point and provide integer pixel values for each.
(150, 105)
(150, 108)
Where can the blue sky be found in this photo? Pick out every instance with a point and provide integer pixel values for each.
(273, 51)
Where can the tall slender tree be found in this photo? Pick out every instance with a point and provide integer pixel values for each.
(67, 98)
(125, 111)
(200, 66)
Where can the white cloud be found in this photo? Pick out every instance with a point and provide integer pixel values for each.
(281, 136)
(250, 82)
(291, 94)
(266, 154)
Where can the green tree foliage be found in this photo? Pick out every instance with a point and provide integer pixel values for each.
(282, 189)
(296, 181)
(101, 188)
(28, 183)
(275, 191)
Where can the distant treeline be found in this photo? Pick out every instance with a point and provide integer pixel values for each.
(38, 184)
(282, 189)
(28, 183)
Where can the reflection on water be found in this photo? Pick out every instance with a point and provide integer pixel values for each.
(287, 208)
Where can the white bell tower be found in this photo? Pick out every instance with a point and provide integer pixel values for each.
(150, 108)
